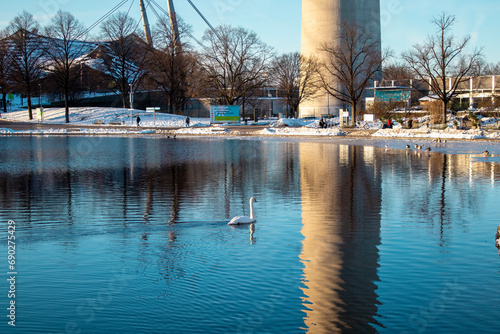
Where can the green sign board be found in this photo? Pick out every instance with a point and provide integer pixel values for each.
(223, 114)
(392, 95)
(10, 96)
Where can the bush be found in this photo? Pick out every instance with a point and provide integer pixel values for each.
(474, 119)
(436, 111)
(456, 105)
(381, 110)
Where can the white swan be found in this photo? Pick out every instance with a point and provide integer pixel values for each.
(244, 219)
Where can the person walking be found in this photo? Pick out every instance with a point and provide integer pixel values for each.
(187, 122)
(138, 120)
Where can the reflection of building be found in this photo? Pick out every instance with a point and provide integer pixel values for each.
(341, 198)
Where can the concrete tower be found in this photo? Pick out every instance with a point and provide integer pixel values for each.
(321, 20)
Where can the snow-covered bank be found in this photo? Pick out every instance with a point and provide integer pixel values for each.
(302, 131)
(106, 116)
(437, 134)
(216, 130)
(83, 131)
(101, 121)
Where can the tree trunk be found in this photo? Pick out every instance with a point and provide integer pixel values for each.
(28, 99)
(171, 108)
(124, 100)
(66, 103)
(4, 100)
(445, 108)
(354, 112)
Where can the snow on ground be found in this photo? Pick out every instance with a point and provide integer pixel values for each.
(215, 130)
(93, 131)
(292, 122)
(302, 131)
(118, 121)
(442, 134)
(106, 116)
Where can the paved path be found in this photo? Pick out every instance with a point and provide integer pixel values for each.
(39, 126)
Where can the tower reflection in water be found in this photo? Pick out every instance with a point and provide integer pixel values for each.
(341, 200)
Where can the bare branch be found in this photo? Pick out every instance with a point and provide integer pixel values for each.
(443, 60)
(124, 53)
(235, 63)
(27, 53)
(351, 64)
(67, 44)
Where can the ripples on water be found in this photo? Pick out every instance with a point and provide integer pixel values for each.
(129, 235)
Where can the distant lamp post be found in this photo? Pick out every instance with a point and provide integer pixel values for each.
(270, 96)
(131, 105)
(131, 96)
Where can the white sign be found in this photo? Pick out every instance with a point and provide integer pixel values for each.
(152, 109)
(369, 117)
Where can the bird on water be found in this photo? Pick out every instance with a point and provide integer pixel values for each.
(244, 219)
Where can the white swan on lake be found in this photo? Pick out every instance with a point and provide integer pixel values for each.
(244, 219)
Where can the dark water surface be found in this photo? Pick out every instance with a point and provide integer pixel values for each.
(130, 235)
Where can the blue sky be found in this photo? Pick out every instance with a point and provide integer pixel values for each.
(277, 22)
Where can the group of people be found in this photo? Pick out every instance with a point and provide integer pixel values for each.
(389, 124)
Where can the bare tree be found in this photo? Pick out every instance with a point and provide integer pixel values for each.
(66, 36)
(235, 63)
(484, 68)
(443, 61)
(124, 53)
(173, 67)
(396, 71)
(494, 69)
(5, 83)
(297, 76)
(27, 49)
(350, 65)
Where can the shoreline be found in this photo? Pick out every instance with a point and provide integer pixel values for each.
(356, 137)
(348, 136)
(13, 128)
(97, 121)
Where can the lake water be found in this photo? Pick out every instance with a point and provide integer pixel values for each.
(130, 235)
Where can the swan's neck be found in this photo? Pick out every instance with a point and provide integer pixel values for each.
(251, 209)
